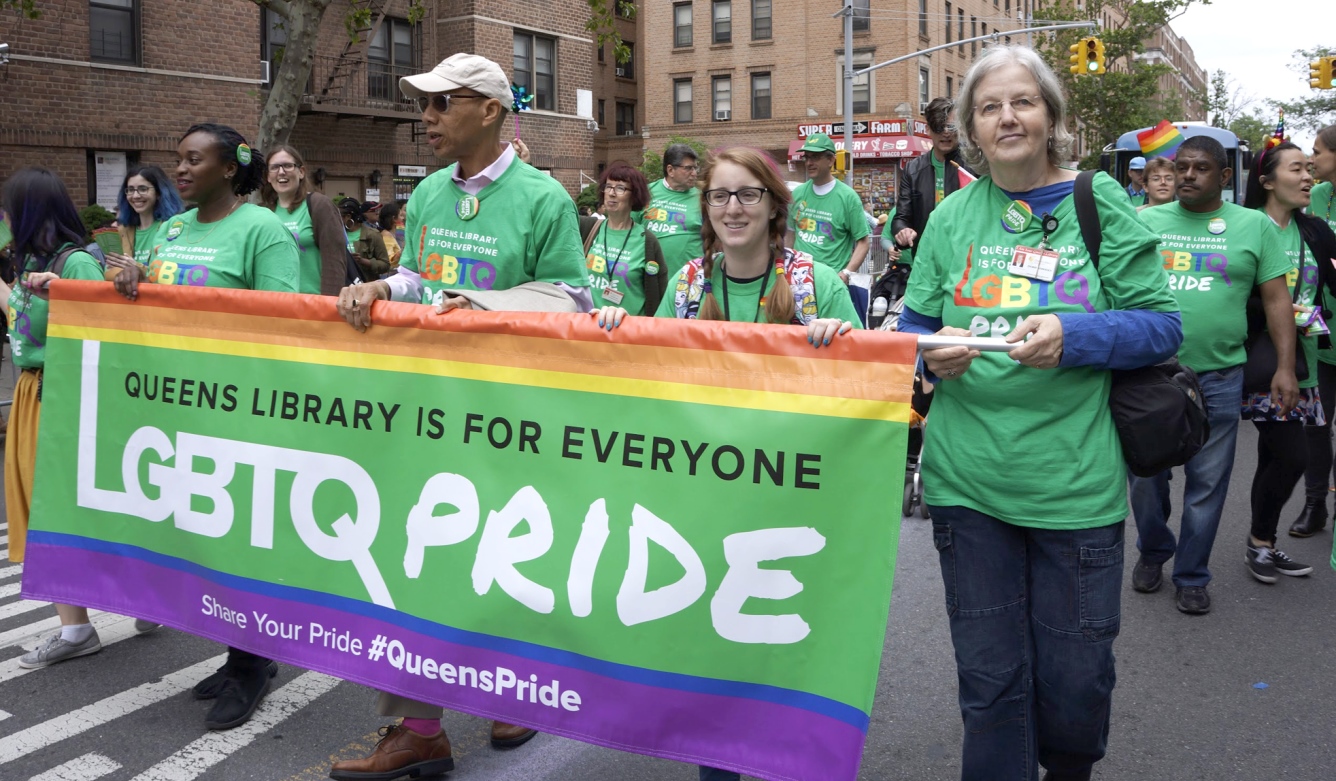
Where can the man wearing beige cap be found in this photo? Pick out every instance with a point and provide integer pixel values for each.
(488, 232)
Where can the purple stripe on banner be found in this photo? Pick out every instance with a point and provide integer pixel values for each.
(763, 739)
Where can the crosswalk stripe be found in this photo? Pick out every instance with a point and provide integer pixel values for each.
(4, 715)
(11, 571)
(197, 757)
(84, 768)
(9, 591)
(110, 627)
(18, 634)
(19, 607)
(80, 720)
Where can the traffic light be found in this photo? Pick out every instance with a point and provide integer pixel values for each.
(1087, 57)
(1320, 72)
(1075, 59)
(841, 161)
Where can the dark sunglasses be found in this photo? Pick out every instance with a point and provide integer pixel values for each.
(441, 101)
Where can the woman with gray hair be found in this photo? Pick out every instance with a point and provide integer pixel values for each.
(1024, 475)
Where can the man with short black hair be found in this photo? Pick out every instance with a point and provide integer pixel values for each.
(673, 214)
(1216, 253)
(929, 178)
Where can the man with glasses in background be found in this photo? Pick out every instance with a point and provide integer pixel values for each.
(928, 178)
(826, 219)
(673, 213)
(484, 230)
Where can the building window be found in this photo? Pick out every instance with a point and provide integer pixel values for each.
(273, 37)
(536, 68)
(682, 24)
(600, 53)
(1008, 7)
(862, 85)
(627, 13)
(948, 21)
(722, 97)
(389, 57)
(626, 119)
(682, 101)
(983, 30)
(627, 70)
(113, 27)
(723, 21)
(923, 18)
(601, 104)
(974, 33)
(950, 84)
(862, 15)
(761, 20)
(760, 91)
(925, 78)
(960, 30)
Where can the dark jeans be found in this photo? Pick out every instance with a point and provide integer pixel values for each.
(1282, 456)
(1317, 478)
(1033, 616)
(714, 774)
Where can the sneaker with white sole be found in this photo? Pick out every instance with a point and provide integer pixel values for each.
(56, 649)
(1260, 564)
(143, 626)
(1288, 566)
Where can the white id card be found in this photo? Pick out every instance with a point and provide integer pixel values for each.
(1034, 263)
(613, 296)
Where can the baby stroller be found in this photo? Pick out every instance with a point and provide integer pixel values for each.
(918, 419)
(888, 298)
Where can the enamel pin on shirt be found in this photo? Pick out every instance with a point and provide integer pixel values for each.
(1040, 262)
(466, 208)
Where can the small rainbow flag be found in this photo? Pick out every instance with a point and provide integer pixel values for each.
(1160, 141)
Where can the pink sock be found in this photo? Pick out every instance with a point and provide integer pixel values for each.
(423, 726)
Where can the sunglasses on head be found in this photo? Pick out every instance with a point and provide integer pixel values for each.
(441, 101)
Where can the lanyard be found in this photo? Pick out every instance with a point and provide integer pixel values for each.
(603, 229)
(765, 283)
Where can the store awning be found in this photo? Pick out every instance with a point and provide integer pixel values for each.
(873, 147)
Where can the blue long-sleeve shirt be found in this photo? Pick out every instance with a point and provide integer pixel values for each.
(1105, 340)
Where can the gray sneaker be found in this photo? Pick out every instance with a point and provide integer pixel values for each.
(143, 626)
(57, 650)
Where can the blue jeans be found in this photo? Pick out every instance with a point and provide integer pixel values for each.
(714, 774)
(1033, 616)
(1206, 481)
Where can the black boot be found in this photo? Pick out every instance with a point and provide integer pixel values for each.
(1312, 519)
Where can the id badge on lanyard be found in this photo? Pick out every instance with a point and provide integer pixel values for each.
(1040, 262)
(612, 295)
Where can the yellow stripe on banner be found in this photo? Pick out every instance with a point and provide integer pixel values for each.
(647, 389)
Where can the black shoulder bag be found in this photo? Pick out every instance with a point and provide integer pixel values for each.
(1159, 410)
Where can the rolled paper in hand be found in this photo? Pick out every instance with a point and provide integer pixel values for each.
(127, 240)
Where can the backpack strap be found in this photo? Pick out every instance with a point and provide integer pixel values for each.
(1087, 213)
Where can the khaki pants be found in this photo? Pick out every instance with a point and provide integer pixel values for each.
(21, 460)
(401, 707)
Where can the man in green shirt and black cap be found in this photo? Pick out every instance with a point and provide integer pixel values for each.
(826, 220)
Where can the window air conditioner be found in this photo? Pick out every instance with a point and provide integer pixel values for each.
(264, 71)
(722, 116)
(621, 72)
(922, 107)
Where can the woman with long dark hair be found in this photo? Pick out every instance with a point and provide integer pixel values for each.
(147, 199)
(1279, 184)
(247, 248)
(48, 245)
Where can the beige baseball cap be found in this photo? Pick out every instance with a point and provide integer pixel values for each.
(461, 71)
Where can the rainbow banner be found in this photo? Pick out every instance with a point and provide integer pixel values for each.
(1162, 140)
(677, 538)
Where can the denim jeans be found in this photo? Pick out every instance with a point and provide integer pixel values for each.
(1033, 616)
(714, 774)
(1206, 482)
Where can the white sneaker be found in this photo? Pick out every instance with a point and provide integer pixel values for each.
(56, 649)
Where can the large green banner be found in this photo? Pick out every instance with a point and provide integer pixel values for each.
(677, 538)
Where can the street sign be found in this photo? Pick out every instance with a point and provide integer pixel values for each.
(876, 127)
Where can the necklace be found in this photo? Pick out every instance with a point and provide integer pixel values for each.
(215, 224)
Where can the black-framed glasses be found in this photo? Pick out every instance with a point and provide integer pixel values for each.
(616, 189)
(282, 168)
(441, 101)
(747, 196)
(142, 189)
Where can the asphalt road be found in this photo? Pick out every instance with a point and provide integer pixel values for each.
(1186, 706)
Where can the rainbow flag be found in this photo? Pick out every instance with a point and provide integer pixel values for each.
(1160, 141)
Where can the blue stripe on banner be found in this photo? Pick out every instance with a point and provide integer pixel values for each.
(666, 680)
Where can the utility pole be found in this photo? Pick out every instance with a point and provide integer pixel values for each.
(848, 12)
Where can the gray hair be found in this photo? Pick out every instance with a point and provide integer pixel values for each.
(1050, 89)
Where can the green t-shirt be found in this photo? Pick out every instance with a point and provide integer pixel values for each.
(1306, 279)
(1031, 447)
(939, 176)
(298, 223)
(1323, 206)
(827, 226)
(524, 229)
(248, 249)
(623, 254)
(1214, 260)
(744, 296)
(675, 220)
(28, 312)
(144, 238)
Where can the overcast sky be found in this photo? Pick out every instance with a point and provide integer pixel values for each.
(1256, 48)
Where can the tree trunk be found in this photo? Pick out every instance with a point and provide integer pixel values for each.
(302, 23)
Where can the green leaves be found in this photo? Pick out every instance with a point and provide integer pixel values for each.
(26, 8)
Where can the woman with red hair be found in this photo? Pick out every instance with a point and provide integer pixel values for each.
(625, 261)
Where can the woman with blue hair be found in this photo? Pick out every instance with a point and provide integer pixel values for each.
(147, 198)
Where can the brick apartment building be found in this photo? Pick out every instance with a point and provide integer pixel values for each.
(95, 85)
(619, 96)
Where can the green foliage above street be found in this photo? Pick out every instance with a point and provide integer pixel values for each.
(1317, 109)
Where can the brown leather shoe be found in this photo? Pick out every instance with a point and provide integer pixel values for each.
(401, 753)
(510, 735)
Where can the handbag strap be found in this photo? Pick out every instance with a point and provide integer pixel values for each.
(1087, 214)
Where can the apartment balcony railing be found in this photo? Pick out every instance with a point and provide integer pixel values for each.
(347, 86)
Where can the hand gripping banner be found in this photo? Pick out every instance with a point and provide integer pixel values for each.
(676, 538)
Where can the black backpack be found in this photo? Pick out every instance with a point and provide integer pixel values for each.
(1159, 410)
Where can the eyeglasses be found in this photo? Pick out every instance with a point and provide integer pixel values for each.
(747, 196)
(282, 168)
(616, 189)
(143, 189)
(949, 128)
(1022, 105)
(441, 101)
(1161, 179)
(692, 168)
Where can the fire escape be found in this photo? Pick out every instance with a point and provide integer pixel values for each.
(363, 81)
